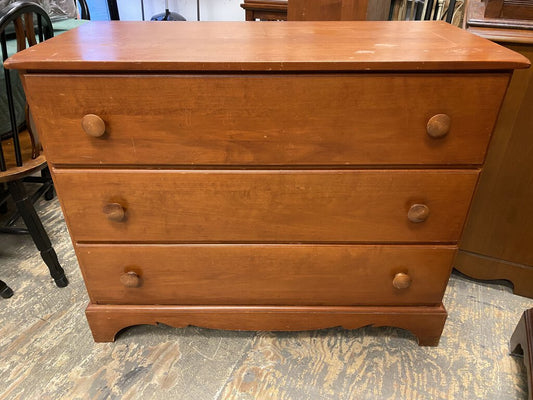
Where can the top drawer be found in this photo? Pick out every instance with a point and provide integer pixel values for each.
(278, 119)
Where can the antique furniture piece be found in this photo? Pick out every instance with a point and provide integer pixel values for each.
(508, 9)
(279, 176)
(522, 344)
(339, 10)
(265, 10)
(19, 148)
(496, 243)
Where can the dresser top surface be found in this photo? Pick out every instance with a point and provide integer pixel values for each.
(266, 46)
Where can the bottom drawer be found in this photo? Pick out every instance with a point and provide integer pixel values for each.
(244, 274)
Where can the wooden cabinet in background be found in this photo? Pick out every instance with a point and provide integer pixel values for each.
(498, 239)
(339, 10)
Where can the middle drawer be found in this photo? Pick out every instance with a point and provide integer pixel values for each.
(262, 206)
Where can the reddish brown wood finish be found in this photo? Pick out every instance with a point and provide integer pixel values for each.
(345, 119)
(339, 10)
(265, 206)
(509, 9)
(265, 274)
(260, 175)
(497, 239)
(265, 10)
(425, 322)
(270, 46)
(30, 165)
(498, 27)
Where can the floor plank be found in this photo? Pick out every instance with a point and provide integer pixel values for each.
(48, 353)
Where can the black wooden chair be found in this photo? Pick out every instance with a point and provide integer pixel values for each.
(25, 24)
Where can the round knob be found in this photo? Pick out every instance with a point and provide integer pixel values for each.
(401, 281)
(418, 213)
(93, 125)
(130, 279)
(114, 212)
(439, 125)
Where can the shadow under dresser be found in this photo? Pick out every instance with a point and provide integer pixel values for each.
(266, 176)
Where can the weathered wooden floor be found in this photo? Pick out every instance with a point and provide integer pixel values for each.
(47, 351)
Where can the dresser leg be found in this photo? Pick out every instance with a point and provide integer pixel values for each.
(426, 323)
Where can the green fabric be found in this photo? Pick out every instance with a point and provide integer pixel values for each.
(18, 92)
(67, 24)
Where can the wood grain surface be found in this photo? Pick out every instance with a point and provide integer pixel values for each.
(480, 266)
(269, 46)
(29, 166)
(265, 274)
(500, 224)
(339, 10)
(425, 322)
(265, 206)
(353, 119)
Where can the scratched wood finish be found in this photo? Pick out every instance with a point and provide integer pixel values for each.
(327, 119)
(265, 274)
(266, 206)
(269, 46)
(424, 321)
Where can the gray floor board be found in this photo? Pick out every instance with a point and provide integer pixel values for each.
(47, 351)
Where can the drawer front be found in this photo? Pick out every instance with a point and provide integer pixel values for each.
(265, 206)
(265, 274)
(357, 119)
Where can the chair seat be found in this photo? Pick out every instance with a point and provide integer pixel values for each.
(29, 165)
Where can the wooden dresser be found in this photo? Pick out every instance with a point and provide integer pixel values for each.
(266, 176)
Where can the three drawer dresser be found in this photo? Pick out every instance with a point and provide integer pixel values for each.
(266, 176)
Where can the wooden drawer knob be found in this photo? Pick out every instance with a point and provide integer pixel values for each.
(114, 212)
(439, 125)
(93, 125)
(401, 281)
(130, 279)
(418, 213)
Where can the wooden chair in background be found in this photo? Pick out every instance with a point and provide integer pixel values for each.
(20, 156)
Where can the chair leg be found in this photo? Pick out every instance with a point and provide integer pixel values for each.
(49, 194)
(5, 291)
(3, 199)
(37, 232)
